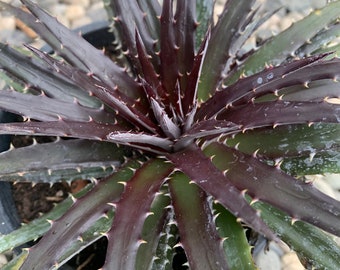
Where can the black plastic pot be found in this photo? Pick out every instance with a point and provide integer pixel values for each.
(9, 219)
(96, 34)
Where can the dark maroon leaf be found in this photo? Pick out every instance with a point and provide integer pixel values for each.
(301, 200)
(282, 113)
(83, 130)
(201, 170)
(267, 81)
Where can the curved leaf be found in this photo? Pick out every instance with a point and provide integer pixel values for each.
(38, 227)
(288, 141)
(278, 48)
(194, 219)
(199, 168)
(301, 200)
(70, 226)
(61, 160)
(235, 242)
(318, 249)
(126, 231)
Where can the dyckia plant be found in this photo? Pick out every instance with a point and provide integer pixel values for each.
(189, 140)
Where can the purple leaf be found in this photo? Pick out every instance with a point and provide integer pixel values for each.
(266, 81)
(125, 234)
(201, 170)
(194, 220)
(70, 226)
(282, 113)
(169, 72)
(82, 130)
(75, 49)
(43, 108)
(299, 199)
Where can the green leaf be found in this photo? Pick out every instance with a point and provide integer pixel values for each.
(194, 216)
(61, 160)
(167, 244)
(288, 141)
(222, 36)
(316, 247)
(204, 17)
(315, 163)
(301, 200)
(153, 229)
(235, 242)
(281, 46)
(38, 227)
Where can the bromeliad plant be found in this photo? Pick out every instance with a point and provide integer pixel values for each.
(187, 137)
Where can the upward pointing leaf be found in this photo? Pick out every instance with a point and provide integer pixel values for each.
(277, 49)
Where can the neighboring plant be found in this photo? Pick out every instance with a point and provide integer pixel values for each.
(186, 137)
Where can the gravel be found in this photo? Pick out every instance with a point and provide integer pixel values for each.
(76, 13)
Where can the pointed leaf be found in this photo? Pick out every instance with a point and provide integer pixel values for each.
(30, 71)
(312, 244)
(76, 49)
(320, 40)
(315, 163)
(282, 113)
(153, 230)
(125, 234)
(169, 71)
(124, 104)
(66, 229)
(204, 18)
(235, 242)
(39, 226)
(200, 170)
(286, 141)
(44, 108)
(222, 35)
(61, 128)
(301, 200)
(266, 81)
(61, 160)
(135, 139)
(129, 16)
(277, 49)
(194, 216)
(185, 25)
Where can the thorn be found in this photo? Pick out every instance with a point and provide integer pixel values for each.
(112, 204)
(311, 156)
(294, 220)
(255, 152)
(225, 172)
(278, 163)
(244, 192)
(254, 200)
(239, 220)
